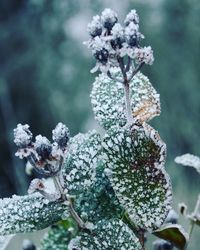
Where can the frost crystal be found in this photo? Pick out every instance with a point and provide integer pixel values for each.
(61, 135)
(189, 160)
(144, 55)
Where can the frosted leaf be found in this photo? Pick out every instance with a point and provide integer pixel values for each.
(80, 164)
(108, 102)
(135, 158)
(189, 160)
(100, 201)
(173, 233)
(4, 241)
(58, 236)
(107, 234)
(28, 213)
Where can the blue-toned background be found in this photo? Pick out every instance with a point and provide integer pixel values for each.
(44, 77)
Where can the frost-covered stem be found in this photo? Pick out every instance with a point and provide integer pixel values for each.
(59, 186)
(192, 224)
(126, 91)
(128, 102)
(65, 197)
(141, 238)
(74, 214)
(134, 72)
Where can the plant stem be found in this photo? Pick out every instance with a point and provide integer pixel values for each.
(128, 102)
(192, 224)
(65, 197)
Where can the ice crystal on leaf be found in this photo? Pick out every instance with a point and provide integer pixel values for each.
(58, 236)
(189, 160)
(107, 234)
(108, 102)
(135, 158)
(28, 213)
(80, 164)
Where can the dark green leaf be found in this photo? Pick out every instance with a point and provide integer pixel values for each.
(135, 160)
(173, 233)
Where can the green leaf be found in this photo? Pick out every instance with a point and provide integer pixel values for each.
(175, 234)
(28, 213)
(108, 102)
(107, 234)
(59, 236)
(80, 165)
(100, 201)
(135, 158)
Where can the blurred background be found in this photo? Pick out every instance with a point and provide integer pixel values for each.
(44, 78)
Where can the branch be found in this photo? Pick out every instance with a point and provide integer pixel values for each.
(135, 71)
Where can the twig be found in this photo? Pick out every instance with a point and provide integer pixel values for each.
(135, 71)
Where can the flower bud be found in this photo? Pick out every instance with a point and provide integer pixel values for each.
(22, 135)
(108, 18)
(43, 147)
(95, 27)
(61, 135)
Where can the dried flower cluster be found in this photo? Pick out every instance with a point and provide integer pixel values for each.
(46, 157)
(111, 43)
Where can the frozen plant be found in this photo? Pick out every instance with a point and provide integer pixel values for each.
(108, 191)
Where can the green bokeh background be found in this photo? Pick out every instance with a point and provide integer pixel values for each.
(44, 78)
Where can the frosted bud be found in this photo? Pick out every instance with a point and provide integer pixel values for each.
(132, 16)
(28, 245)
(22, 135)
(61, 135)
(162, 245)
(43, 147)
(172, 217)
(144, 55)
(108, 18)
(95, 27)
(182, 208)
